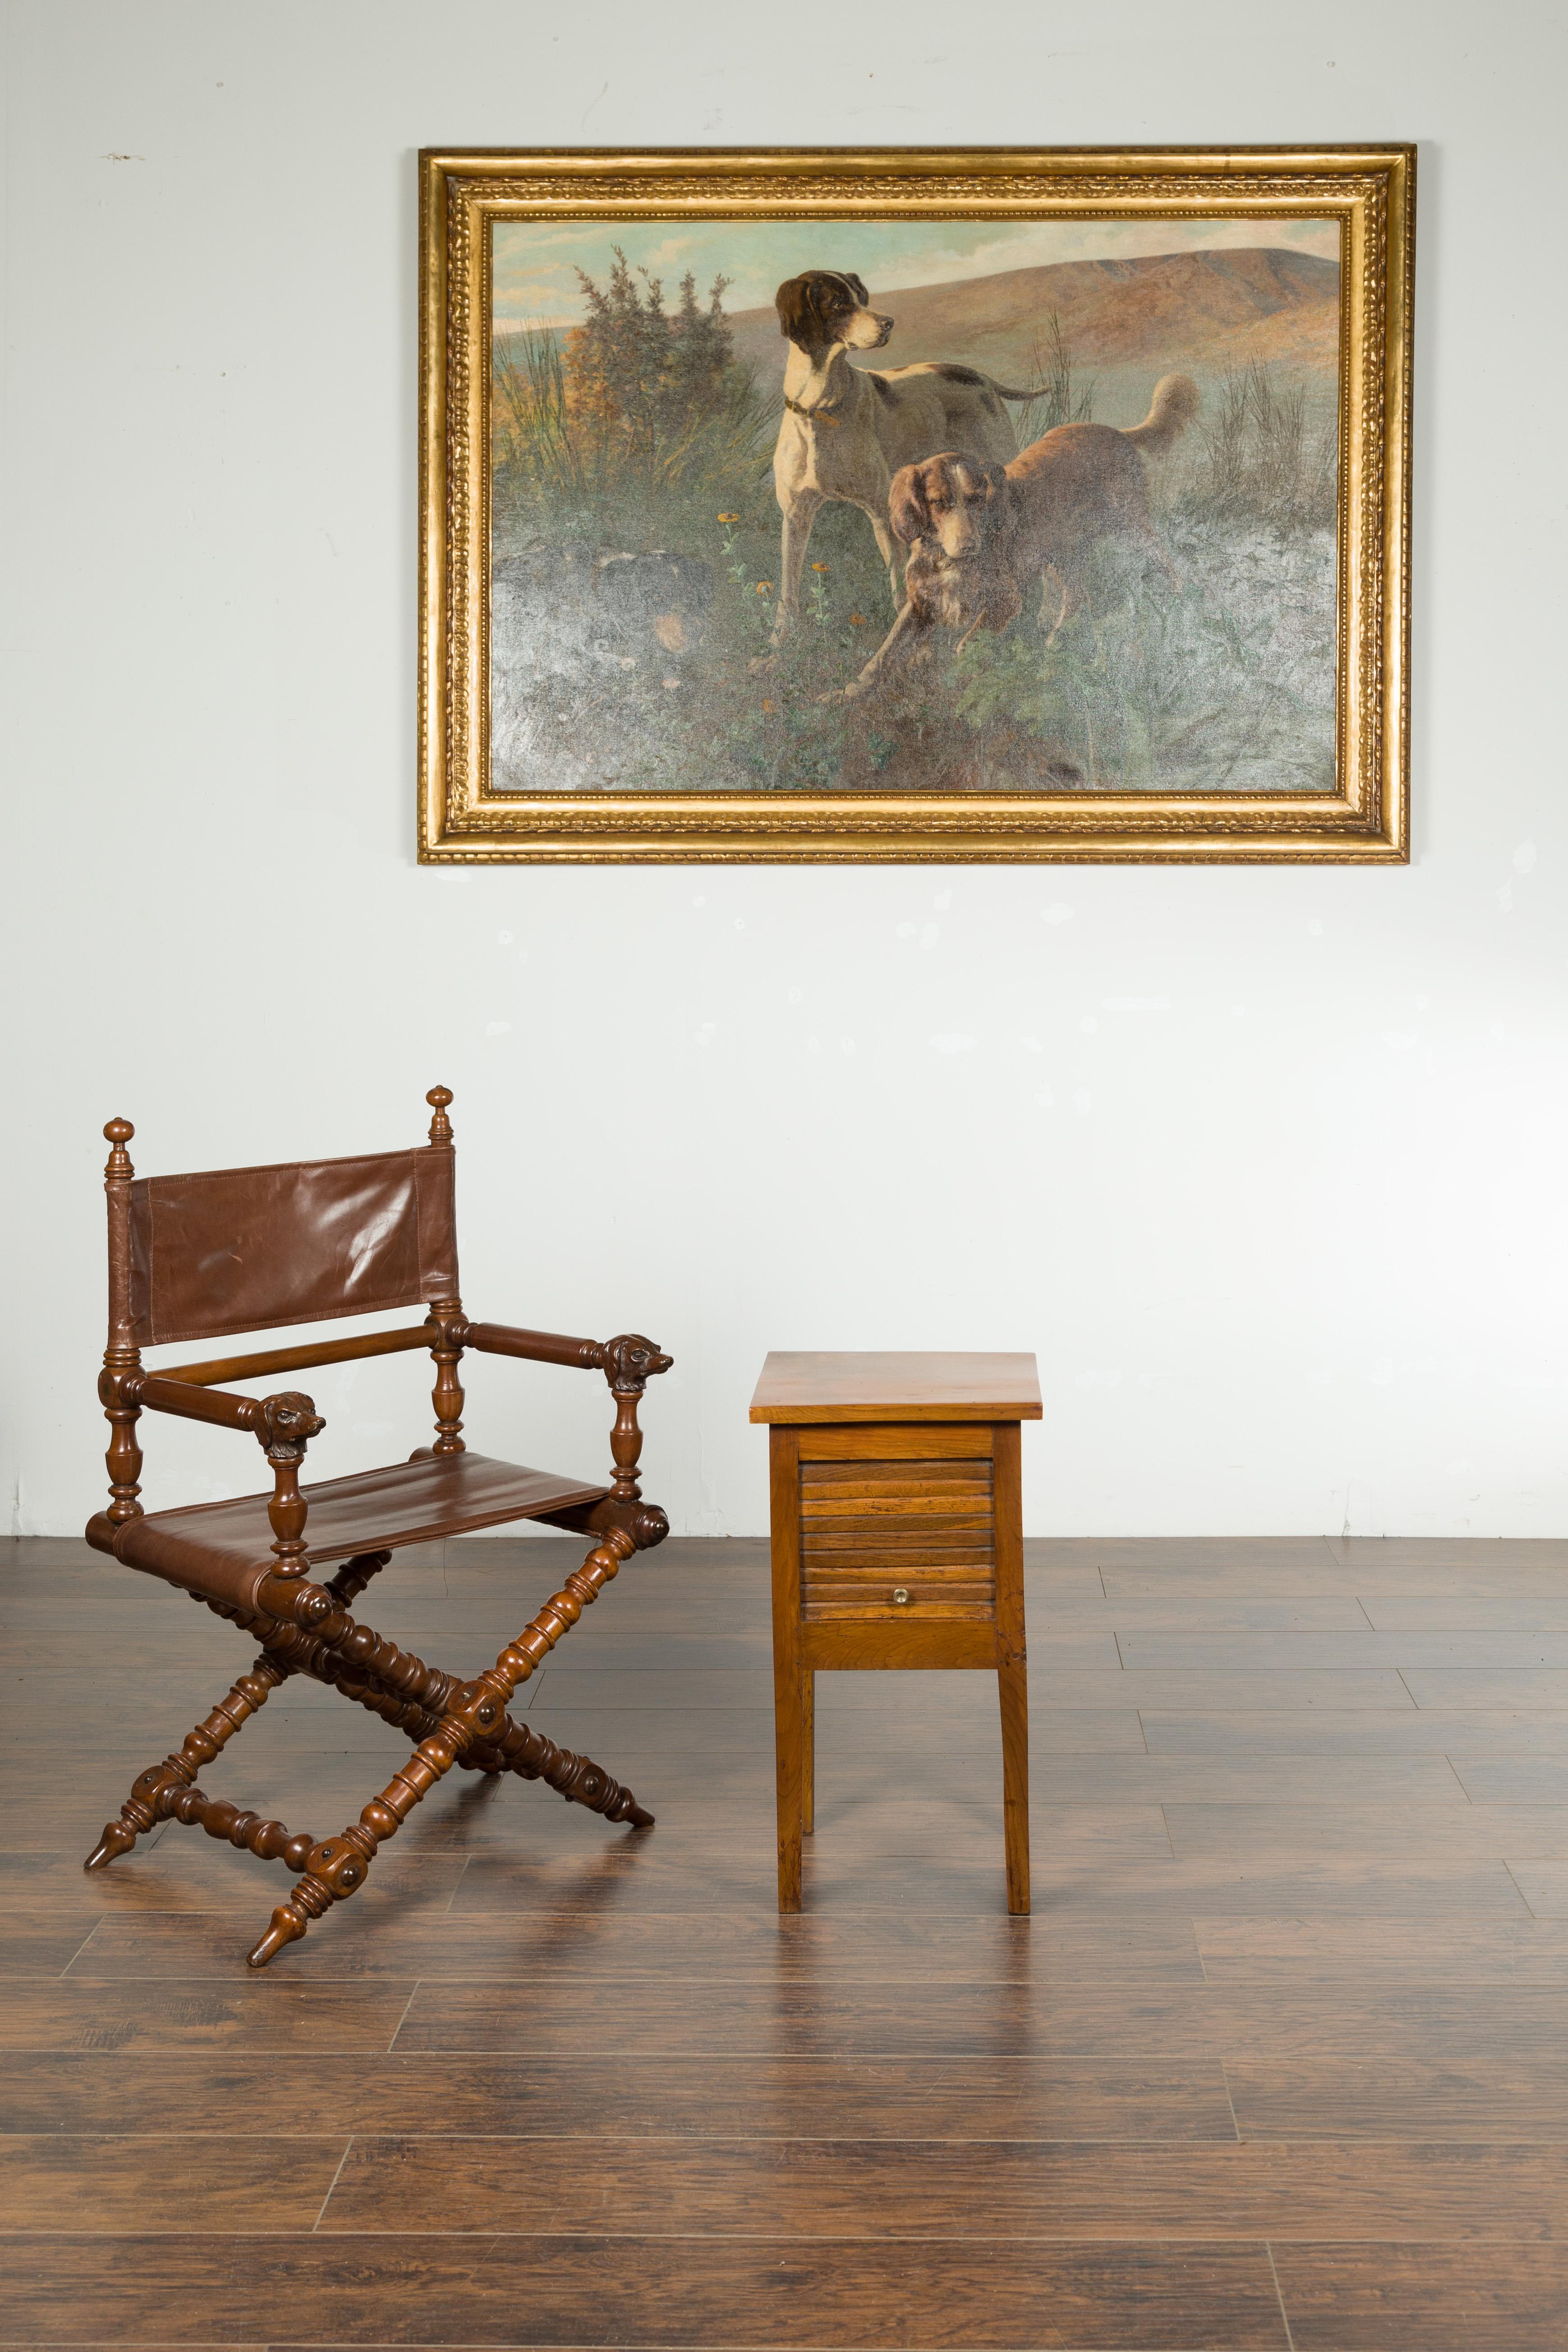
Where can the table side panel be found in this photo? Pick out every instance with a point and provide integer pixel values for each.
(1008, 1490)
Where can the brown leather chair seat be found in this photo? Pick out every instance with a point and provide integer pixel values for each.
(225, 1548)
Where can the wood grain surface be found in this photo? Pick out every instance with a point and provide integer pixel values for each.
(1279, 2060)
(863, 1385)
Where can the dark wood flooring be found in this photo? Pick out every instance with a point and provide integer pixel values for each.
(1280, 2060)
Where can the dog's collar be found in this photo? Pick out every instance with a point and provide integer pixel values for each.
(822, 412)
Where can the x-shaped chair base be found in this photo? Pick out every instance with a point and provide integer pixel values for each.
(455, 1722)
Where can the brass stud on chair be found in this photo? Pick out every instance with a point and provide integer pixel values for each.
(900, 1596)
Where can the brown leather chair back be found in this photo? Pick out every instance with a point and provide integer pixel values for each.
(251, 1249)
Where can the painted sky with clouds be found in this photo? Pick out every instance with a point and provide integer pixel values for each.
(535, 261)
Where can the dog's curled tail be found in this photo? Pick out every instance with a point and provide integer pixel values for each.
(1016, 390)
(1176, 402)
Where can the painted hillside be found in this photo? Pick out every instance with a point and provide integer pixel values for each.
(1207, 311)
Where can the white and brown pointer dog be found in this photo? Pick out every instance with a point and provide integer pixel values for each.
(846, 431)
(982, 533)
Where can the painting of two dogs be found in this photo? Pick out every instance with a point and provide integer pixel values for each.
(964, 523)
(1048, 509)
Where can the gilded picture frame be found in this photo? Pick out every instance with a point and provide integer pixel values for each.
(1225, 678)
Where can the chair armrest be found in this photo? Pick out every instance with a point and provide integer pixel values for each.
(537, 1347)
(286, 1419)
(282, 1425)
(627, 1363)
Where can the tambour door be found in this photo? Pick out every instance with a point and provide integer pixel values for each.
(896, 1523)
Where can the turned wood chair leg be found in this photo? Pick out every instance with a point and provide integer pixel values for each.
(153, 1792)
(405, 1692)
(534, 1756)
(514, 1748)
(402, 1690)
(269, 1841)
(337, 1868)
(355, 1574)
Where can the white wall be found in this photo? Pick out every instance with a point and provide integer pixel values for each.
(1290, 1252)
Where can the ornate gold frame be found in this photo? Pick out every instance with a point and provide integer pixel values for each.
(1369, 190)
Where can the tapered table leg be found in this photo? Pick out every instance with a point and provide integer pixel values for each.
(789, 1706)
(1012, 1671)
(1013, 1690)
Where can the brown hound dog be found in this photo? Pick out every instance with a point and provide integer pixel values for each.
(982, 532)
(845, 431)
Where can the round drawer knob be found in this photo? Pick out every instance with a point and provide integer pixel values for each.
(900, 1596)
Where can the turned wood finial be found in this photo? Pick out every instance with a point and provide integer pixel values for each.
(119, 1132)
(440, 1126)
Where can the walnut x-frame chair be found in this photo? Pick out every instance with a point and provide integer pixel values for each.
(257, 1249)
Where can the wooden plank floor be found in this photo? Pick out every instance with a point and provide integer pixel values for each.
(1280, 2060)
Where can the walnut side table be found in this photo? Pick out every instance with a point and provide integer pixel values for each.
(897, 1541)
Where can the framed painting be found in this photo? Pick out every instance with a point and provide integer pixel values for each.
(908, 504)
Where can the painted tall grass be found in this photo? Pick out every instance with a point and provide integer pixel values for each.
(1064, 399)
(1262, 456)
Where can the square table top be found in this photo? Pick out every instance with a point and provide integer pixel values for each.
(863, 1385)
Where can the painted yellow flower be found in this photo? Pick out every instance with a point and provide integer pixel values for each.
(729, 518)
(819, 567)
(770, 708)
(857, 620)
(764, 587)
